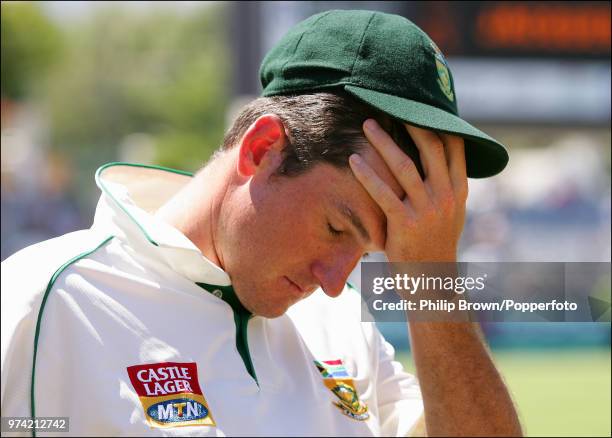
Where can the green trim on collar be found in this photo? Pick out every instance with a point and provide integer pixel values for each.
(146, 166)
(241, 319)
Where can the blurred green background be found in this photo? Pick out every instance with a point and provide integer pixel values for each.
(558, 392)
(85, 83)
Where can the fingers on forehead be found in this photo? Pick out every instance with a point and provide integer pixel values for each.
(380, 166)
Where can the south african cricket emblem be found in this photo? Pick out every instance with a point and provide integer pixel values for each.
(349, 402)
(337, 379)
(444, 80)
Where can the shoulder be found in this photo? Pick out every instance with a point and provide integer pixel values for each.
(27, 274)
(29, 271)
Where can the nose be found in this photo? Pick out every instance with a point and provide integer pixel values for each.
(332, 275)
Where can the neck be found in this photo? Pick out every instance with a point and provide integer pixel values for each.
(195, 209)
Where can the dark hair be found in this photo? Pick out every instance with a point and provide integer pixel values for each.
(321, 127)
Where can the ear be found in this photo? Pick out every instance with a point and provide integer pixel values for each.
(261, 145)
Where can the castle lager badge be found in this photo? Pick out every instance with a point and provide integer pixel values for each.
(170, 394)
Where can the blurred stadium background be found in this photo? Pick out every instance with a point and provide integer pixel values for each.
(85, 83)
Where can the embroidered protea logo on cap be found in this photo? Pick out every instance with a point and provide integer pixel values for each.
(443, 80)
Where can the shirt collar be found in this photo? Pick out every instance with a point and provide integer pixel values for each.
(131, 194)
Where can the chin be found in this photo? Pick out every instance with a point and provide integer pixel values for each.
(271, 309)
(271, 313)
(267, 305)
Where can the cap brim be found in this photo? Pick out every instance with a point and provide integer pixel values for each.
(484, 155)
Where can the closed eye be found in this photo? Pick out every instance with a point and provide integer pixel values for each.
(333, 231)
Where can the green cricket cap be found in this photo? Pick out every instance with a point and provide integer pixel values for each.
(385, 61)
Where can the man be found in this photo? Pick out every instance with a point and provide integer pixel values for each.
(218, 304)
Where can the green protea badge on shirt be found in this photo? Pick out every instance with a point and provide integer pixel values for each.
(337, 379)
(349, 401)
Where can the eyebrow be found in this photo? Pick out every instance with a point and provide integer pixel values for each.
(354, 219)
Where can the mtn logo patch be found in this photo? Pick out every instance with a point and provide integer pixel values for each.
(170, 394)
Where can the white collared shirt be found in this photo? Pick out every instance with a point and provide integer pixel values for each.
(109, 327)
